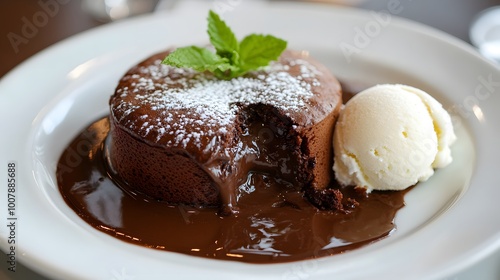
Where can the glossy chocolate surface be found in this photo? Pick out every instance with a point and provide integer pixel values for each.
(275, 223)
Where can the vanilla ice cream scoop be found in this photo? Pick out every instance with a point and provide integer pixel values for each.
(390, 137)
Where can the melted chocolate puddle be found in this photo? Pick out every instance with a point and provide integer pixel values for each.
(273, 225)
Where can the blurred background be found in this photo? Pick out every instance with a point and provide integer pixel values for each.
(45, 22)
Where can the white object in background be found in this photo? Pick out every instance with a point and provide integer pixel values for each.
(485, 33)
(109, 10)
(218, 6)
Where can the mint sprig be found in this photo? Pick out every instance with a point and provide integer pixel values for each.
(232, 58)
(222, 37)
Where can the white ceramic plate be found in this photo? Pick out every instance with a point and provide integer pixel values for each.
(449, 221)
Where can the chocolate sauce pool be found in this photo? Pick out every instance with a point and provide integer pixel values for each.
(273, 225)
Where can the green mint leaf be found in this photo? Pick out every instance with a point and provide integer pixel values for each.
(222, 37)
(258, 50)
(199, 59)
(232, 59)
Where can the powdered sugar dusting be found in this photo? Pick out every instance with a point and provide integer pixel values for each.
(186, 107)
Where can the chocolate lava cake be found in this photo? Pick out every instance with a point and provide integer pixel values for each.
(186, 137)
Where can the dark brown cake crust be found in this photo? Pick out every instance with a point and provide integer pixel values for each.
(186, 137)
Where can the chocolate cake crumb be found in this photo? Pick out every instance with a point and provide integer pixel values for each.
(351, 203)
(331, 199)
(326, 199)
